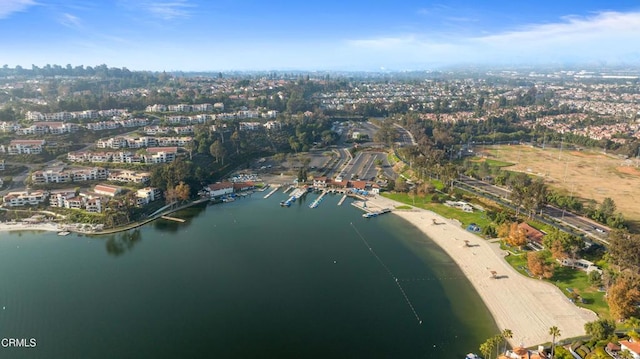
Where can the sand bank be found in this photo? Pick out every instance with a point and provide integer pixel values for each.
(527, 306)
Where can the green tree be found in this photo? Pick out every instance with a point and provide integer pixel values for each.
(633, 323)
(400, 185)
(217, 151)
(607, 208)
(624, 250)
(600, 329)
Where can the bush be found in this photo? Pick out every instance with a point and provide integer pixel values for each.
(576, 345)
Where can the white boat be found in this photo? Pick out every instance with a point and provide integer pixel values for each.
(64, 233)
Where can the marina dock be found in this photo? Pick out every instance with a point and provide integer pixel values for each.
(342, 200)
(317, 201)
(371, 211)
(297, 193)
(275, 188)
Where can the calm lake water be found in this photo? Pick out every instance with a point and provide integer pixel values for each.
(246, 279)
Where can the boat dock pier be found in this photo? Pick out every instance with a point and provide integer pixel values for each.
(297, 193)
(275, 188)
(342, 200)
(317, 201)
(370, 211)
(174, 219)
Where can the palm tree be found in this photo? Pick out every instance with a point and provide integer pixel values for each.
(554, 332)
(496, 341)
(506, 334)
(486, 348)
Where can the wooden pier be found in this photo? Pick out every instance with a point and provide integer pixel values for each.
(174, 219)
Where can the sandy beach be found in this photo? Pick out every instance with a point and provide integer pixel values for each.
(527, 306)
(20, 226)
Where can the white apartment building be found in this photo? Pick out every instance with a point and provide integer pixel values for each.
(17, 147)
(17, 199)
(161, 154)
(129, 176)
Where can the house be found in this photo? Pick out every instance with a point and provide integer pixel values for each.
(242, 186)
(464, 206)
(533, 235)
(631, 346)
(359, 185)
(107, 190)
(522, 353)
(219, 189)
(581, 264)
(320, 182)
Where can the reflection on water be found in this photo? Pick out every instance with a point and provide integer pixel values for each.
(119, 243)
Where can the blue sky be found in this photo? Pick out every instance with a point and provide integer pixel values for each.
(197, 35)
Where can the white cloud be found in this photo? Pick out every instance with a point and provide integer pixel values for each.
(8, 7)
(606, 36)
(169, 10)
(69, 20)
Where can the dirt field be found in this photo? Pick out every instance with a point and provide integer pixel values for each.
(584, 174)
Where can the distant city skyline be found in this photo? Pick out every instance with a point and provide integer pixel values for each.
(223, 35)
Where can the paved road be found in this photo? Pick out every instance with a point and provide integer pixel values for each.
(405, 138)
(582, 224)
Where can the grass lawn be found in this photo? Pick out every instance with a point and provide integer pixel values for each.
(568, 278)
(424, 202)
(577, 282)
(496, 163)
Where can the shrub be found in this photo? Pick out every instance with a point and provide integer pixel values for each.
(585, 349)
(576, 345)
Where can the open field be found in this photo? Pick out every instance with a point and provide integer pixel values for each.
(584, 174)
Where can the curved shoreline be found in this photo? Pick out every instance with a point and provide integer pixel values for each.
(527, 306)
